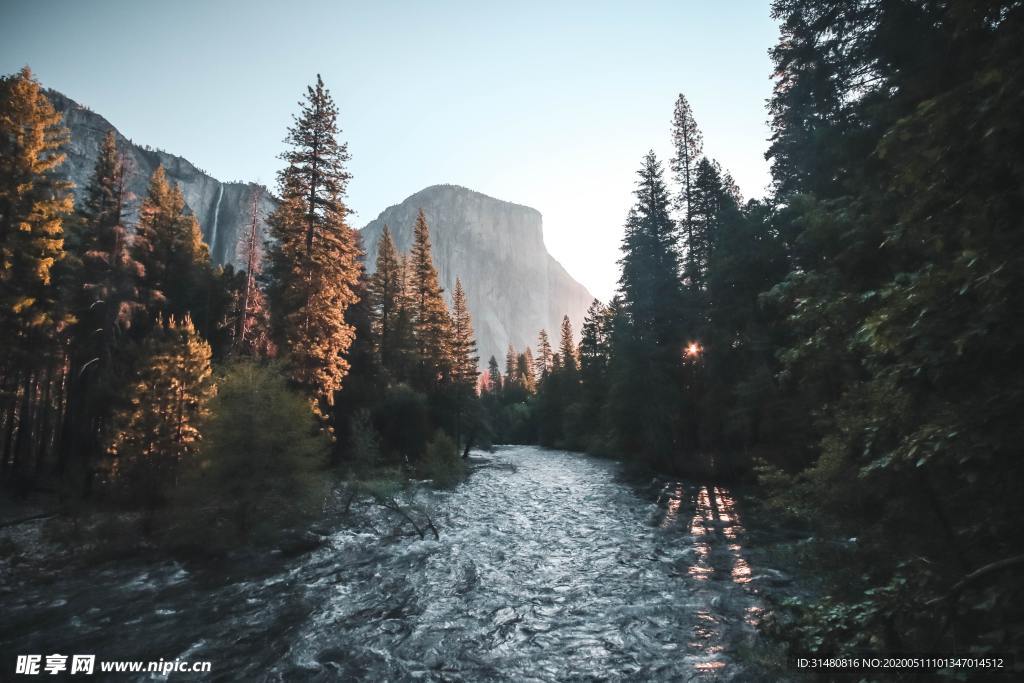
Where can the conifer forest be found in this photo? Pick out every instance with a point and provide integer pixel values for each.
(242, 439)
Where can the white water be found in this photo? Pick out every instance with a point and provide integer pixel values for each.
(549, 567)
(216, 219)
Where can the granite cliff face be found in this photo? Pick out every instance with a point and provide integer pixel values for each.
(513, 285)
(224, 210)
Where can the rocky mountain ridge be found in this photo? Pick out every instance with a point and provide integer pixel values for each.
(224, 210)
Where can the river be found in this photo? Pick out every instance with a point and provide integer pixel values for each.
(550, 566)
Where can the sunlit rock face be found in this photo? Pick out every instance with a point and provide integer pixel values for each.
(224, 210)
(513, 285)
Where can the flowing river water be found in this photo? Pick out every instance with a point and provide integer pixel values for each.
(550, 566)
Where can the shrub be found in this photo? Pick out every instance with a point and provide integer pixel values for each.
(261, 464)
(364, 444)
(441, 462)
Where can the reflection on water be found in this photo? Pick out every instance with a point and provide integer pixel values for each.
(554, 570)
(716, 530)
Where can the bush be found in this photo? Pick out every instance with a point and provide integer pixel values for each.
(364, 444)
(441, 463)
(261, 464)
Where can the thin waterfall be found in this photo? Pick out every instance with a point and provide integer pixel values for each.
(216, 218)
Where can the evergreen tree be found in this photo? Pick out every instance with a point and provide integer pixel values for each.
(593, 341)
(313, 256)
(567, 347)
(430, 320)
(595, 357)
(464, 372)
(898, 187)
(713, 200)
(34, 202)
(493, 376)
(526, 370)
(159, 429)
(252, 317)
(543, 360)
(511, 368)
(386, 300)
(169, 247)
(645, 400)
(105, 297)
(363, 385)
(688, 144)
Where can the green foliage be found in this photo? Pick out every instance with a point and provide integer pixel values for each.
(261, 467)
(364, 444)
(900, 202)
(441, 461)
(160, 429)
(646, 373)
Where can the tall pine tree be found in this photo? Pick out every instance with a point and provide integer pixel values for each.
(688, 143)
(106, 297)
(463, 342)
(645, 398)
(543, 360)
(386, 298)
(430, 319)
(313, 256)
(34, 202)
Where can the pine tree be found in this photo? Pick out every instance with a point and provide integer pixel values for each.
(105, 297)
(526, 370)
(313, 258)
(543, 360)
(386, 297)
(252, 323)
(160, 427)
(567, 347)
(464, 371)
(34, 202)
(688, 143)
(595, 356)
(430, 319)
(511, 368)
(645, 399)
(168, 245)
(363, 384)
(493, 376)
(714, 199)
(593, 341)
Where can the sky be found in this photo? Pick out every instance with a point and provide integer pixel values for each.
(547, 104)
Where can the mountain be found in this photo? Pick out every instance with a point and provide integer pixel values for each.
(224, 210)
(513, 285)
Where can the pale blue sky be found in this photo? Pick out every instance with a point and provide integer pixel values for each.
(549, 104)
